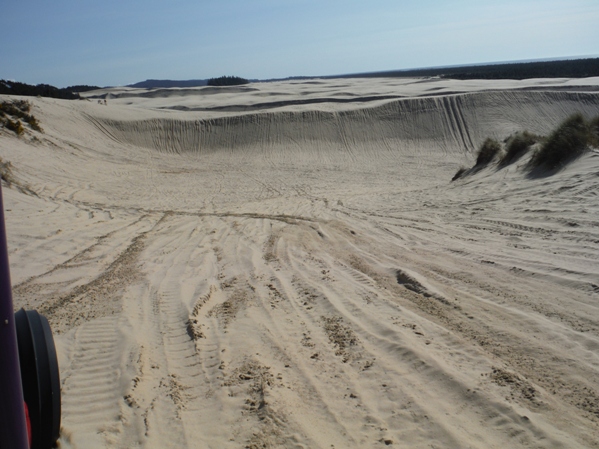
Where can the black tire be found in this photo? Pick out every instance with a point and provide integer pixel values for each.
(40, 377)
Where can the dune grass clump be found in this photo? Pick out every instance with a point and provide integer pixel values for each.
(569, 141)
(14, 125)
(34, 123)
(6, 172)
(487, 152)
(19, 109)
(517, 145)
(459, 173)
(594, 128)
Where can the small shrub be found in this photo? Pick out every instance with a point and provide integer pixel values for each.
(459, 173)
(567, 142)
(6, 172)
(15, 126)
(22, 105)
(487, 152)
(19, 109)
(33, 123)
(594, 128)
(517, 145)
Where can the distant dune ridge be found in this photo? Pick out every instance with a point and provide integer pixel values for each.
(288, 264)
(457, 120)
(169, 83)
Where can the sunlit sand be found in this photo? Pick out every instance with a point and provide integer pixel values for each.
(287, 265)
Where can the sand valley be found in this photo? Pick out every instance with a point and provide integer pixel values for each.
(288, 265)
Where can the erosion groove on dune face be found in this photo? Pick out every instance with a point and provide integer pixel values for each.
(456, 122)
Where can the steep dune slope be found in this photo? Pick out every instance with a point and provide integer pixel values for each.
(309, 277)
(430, 124)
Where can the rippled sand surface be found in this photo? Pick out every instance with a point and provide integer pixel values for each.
(287, 265)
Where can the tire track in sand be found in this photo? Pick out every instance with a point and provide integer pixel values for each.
(90, 385)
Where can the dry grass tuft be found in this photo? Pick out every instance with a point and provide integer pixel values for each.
(459, 173)
(517, 145)
(6, 172)
(487, 152)
(12, 112)
(569, 141)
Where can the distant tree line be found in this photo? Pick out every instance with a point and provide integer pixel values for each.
(42, 90)
(581, 68)
(81, 88)
(227, 81)
(577, 68)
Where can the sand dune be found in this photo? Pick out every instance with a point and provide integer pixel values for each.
(304, 274)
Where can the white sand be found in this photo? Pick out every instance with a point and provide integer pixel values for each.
(262, 267)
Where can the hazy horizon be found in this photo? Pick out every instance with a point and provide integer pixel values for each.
(119, 43)
(340, 74)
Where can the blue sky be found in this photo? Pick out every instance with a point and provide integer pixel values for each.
(118, 42)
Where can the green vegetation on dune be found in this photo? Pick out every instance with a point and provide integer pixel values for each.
(487, 152)
(459, 173)
(517, 145)
(6, 172)
(570, 140)
(594, 129)
(11, 114)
